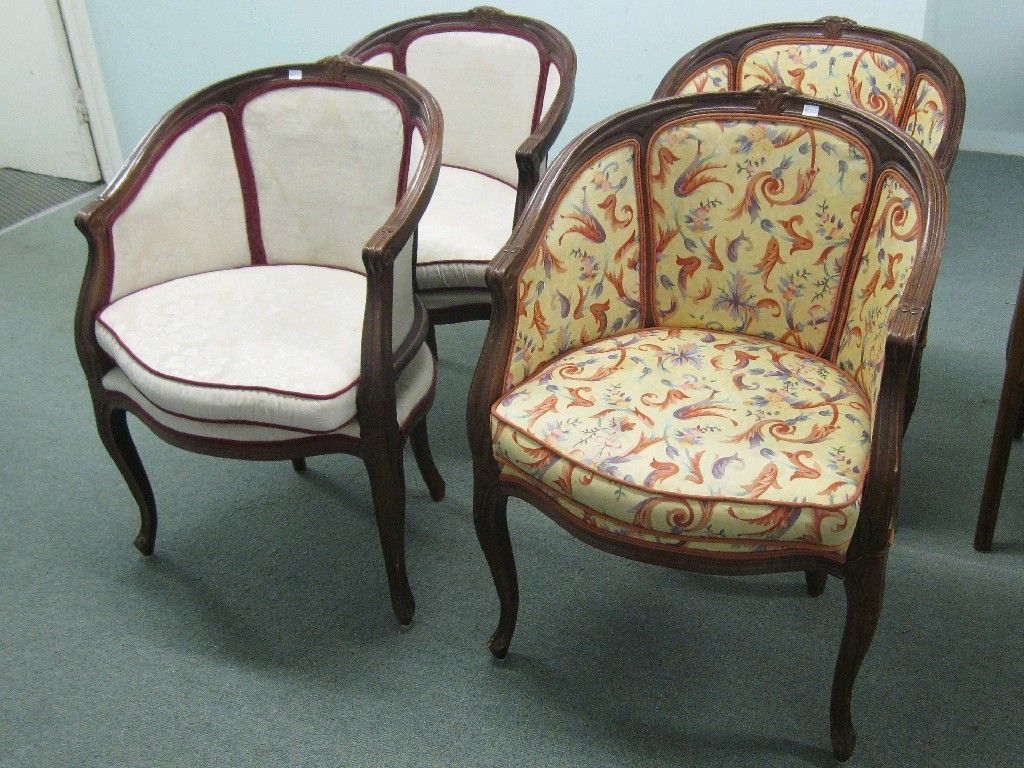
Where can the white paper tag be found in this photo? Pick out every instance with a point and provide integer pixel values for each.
(294, 74)
(811, 110)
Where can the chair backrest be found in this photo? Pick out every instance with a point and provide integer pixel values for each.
(893, 76)
(301, 164)
(297, 165)
(767, 214)
(499, 79)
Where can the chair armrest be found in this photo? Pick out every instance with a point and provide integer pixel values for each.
(532, 153)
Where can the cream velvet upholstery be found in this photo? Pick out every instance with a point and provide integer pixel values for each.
(452, 255)
(504, 84)
(487, 85)
(196, 176)
(250, 286)
(414, 390)
(271, 345)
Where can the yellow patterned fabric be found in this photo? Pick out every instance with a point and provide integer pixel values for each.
(751, 225)
(581, 282)
(859, 77)
(714, 79)
(889, 253)
(927, 119)
(688, 436)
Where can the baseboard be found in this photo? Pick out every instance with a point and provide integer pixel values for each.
(999, 142)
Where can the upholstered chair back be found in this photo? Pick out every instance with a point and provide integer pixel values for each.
(495, 76)
(790, 226)
(253, 169)
(892, 76)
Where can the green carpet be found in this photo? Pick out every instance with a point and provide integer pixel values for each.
(260, 634)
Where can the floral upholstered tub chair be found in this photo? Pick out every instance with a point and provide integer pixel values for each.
(893, 76)
(702, 338)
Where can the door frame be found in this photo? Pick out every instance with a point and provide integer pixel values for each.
(94, 90)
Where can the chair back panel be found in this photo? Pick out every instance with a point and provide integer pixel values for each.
(196, 176)
(715, 78)
(752, 224)
(551, 86)
(890, 251)
(858, 76)
(304, 184)
(487, 83)
(926, 119)
(892, 76)
(595, 280)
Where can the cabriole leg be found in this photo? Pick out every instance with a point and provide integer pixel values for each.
(425, 460)
(387, 484)
(491, 520)
(113, 428)
(865, 583)
(815, 582)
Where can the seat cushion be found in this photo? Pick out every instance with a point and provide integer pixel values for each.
(693, 438)
(467, 222)
(276, 346)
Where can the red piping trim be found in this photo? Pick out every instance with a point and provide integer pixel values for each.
(778, 546)
(490, 176)
(211, 385)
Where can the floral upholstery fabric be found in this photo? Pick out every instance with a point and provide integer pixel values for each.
(872, 80)
(688, 436)
(889, 254)
(585, 267)
(752, 225)
(716, 78)
(927, 119)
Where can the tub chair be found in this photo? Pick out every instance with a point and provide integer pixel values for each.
(505, 85)
(702, 337)
(248, 292)
(893, 76)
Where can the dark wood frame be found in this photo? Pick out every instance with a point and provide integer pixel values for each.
(382, 438)
(1009, 425)
(922, 58)
(863, 570)
(531, 156)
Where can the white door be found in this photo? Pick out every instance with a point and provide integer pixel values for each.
(44, 126)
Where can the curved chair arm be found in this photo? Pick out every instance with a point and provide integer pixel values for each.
(533, 152)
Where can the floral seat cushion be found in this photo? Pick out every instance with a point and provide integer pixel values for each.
(694, 438)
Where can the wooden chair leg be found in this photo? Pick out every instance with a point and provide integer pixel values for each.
(491, 520)
(816, 582)
(299, 464)
(387, 484)
(425, 461)
(1008, 425)
(865, 583)
(113, 428)
(998, 460)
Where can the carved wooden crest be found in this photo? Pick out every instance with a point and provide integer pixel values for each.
(486, 14)
(833, 26)
(773, 97)
(335, 66)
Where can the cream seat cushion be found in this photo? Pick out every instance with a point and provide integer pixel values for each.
(692, 438)
(467, 222)
(274, 346)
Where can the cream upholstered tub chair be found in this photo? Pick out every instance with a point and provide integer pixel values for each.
(505, 85)
(248, 292)
(702, 336)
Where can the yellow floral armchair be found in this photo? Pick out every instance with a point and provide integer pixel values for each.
(892, 76)
(702, 337)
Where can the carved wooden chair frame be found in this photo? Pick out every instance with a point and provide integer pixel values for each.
(863, 568)
(381, 438)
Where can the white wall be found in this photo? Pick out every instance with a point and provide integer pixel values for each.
(153, 54)
(983, 40)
